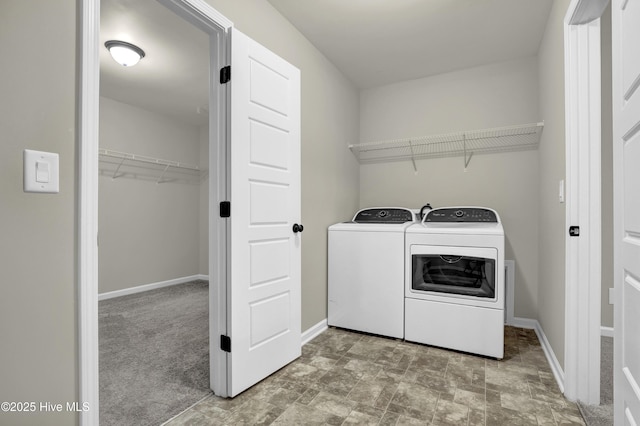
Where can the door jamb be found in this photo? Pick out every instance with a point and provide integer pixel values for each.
(87, 223)
(583, 174)
(201, 14)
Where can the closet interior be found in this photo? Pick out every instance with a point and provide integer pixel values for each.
(153, 216)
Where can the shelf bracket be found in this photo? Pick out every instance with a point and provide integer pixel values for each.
(115, 174)
(413, 160)
(464, 147)
(163, 172)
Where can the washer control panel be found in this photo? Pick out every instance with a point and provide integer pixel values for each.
(461, 214)
(384, 215)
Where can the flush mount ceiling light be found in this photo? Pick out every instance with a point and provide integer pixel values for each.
(126, 54)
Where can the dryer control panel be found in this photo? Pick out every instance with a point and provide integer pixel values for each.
(384, 215)
(462, 214)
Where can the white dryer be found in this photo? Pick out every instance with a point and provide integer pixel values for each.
(454, 284)
(366, 271)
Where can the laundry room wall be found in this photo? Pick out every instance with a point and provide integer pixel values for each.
(149, 232)
(494, 95)
(551, 290)
(330, 113)
(38, 267)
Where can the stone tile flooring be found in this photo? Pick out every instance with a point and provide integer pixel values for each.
(345, 377)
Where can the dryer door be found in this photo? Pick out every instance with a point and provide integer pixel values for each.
(468, 275)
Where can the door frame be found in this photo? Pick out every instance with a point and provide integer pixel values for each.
(583, 174)
(202, 15)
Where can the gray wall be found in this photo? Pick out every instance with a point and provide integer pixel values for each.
(149, 232)
(330, 114)
(607, 170)
(551, 288)
(38, 360)
(496, 95)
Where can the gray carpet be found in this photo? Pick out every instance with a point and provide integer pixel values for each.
(602, 415)
(154, 354)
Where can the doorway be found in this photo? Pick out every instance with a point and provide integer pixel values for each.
(254, 259)
(215, 26)
(153, 215)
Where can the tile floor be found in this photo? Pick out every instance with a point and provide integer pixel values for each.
(345, 377)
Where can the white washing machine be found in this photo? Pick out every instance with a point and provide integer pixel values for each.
(366, 271)
(454, 281)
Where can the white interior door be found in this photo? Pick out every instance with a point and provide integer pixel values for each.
(264, 275)
(626, 166)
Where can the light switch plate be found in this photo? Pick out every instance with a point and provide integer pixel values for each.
(41, 171)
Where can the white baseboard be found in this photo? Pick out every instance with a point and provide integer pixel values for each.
(314, 331)
(152, 286)
(556, 369)
(606, 331)
(524, 323)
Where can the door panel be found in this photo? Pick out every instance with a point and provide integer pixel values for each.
(264, 280)
(268, 203)
(269, 318)
(631, 330)
(269, 261)
(268, 146)
(269, 88)
(626, 161)
(630, 34)
(632, 185)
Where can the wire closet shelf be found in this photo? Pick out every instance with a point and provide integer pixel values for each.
(163, 165)
(466, 143)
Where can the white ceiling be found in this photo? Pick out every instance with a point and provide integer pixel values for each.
(373, 42)
(377, 42)
(173, 78)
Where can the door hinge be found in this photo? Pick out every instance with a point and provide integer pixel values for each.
(225, 343)
(225, 209)
(225, 74)
(574, 231)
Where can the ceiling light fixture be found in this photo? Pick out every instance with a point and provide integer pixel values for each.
(126, 54)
